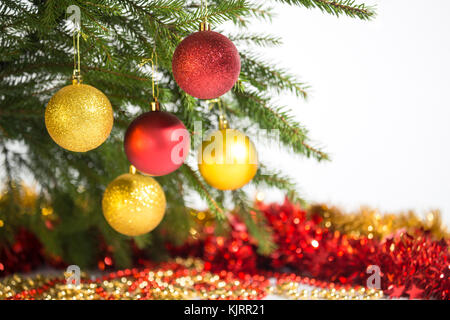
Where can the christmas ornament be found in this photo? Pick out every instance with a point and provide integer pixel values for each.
(79, 117)
(157, 142)
(227, 159)
(134, 204)
(206, 64)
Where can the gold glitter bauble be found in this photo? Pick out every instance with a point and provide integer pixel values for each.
(79, 117)
(134, 204)
(227, 159)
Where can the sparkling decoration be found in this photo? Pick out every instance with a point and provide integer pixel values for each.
(419, 265)
(414, 266)
(371, 223)
(134, 204)
(414, 292)
(79, 117)
(25, 254)
(227, 159)
(175, 280)
(235, 253)
(22, 256)
(206, 64)
(157, 143)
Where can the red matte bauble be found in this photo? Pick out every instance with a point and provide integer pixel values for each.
(157, 143)
(206, 64)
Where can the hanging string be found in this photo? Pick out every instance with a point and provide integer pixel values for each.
(223, 121)
(155, 87)
(211, 103)
(154, 61)
(76, 56)
(154, 66)
(204, 7)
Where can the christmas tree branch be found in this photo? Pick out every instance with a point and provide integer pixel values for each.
(255, 222)
(337, 8)
(274, 118)
(275, 179)
(263, 75)
(255, 39)
(195, 182)
(217, 14)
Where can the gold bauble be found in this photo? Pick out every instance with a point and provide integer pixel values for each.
(79, 117)
(134, 204)
(227, 159)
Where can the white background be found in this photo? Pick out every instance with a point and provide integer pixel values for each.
(379, 104)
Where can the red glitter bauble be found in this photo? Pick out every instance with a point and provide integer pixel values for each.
(157, 143)
(206, 64)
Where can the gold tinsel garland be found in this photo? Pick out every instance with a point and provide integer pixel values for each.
(163, 283)
(366, 222)
(371, 223)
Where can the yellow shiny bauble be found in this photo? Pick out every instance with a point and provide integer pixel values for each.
(79, 117)
(227, 159)
(134, 204)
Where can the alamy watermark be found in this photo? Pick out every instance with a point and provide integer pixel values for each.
(374, 280)
(75, 16)
(73, 275)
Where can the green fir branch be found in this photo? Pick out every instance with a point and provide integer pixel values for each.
(270, 117)
(36, 60)
(337, 8)
(194, 180)
(255, 222)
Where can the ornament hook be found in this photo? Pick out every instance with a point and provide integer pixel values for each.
(223, 122)
(76, 76)
(205, 26)
(155, 88)
(154, 105)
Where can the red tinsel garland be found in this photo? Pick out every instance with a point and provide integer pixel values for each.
(25, 254)
(417, 267)
(412, 265)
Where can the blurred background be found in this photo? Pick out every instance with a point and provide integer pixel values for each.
(379, 104)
